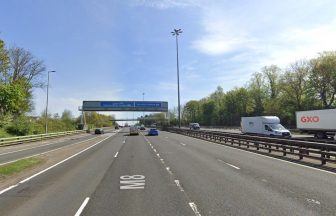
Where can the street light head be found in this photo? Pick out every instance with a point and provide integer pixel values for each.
(176, 32)
(51, 71)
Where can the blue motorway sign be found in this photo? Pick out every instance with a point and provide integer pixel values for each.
(150, 106)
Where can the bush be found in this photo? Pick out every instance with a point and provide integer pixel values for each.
(21, 126)
(3, 133)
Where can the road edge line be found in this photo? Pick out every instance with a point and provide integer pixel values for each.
(66, 159)
(81, 208)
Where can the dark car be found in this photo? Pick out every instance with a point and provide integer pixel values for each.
(153, 132)
(142, 127)
(99, 131)
(194, 126)
(116, 127)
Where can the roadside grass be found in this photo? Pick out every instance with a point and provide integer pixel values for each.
(18, 166)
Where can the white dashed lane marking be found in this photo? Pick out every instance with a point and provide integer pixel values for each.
(194, 208)
(116, 155)
(228, 164)
(192, 205)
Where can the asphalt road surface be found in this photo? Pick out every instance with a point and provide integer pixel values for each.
(171, 175)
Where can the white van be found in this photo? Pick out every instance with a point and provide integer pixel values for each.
(134, 130)
(264, 125)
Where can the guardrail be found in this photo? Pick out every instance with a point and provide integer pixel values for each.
(303, 149)
(32, 138)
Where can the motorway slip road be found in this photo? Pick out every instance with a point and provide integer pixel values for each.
(15, 152)
(171, 175)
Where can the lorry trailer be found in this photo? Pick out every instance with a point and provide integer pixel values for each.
(321, 123)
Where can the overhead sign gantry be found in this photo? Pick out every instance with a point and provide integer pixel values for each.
(142, 106)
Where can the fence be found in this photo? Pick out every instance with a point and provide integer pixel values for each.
(302, 149)
(32, 138)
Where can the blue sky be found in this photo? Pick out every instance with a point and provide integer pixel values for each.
(115, 50)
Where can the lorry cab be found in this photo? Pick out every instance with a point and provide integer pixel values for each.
(276, 130)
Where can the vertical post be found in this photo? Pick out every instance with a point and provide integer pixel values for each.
(176, 33)
(46, 111)
(143, 113)
(178, 84)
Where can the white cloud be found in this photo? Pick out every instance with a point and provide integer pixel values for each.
(271, 40)
(299, 43)
(221, 36)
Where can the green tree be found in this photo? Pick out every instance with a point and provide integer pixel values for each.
(14, 98)
(271, 76)
(323, 77)
(257, 93)
(294, 83)
(4, 61)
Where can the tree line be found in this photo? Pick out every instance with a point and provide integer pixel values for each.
(20, 73)
(303, 85)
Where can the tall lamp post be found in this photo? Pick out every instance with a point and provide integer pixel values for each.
(176, 33)
(143, 113)
(46, 112)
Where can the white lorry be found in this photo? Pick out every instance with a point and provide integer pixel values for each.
(321, 123)
(264, 125)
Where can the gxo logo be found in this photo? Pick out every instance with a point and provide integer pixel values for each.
(306, 119)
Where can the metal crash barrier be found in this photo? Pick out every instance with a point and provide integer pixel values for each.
(33, 138)
(325, 153)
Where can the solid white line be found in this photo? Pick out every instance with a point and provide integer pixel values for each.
(72, 156)
(29, 156)
(116, 155)
(326, 171)
(81, 208)
(7, 189)
(194, 208)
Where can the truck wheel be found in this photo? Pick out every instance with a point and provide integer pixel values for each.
(321, 135)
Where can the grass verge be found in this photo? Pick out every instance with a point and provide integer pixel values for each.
(19, 166)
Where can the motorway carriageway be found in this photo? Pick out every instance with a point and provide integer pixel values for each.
(171, 174)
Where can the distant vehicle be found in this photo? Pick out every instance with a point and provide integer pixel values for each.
(142, 127)
(153, 132)
(116, 127)
(99, 131)
(153, 125)
(134, 130)
(194, 126)
(126, 125)
(264, 125)
(321, 123)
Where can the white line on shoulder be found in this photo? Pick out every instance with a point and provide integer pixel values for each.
(81, 208)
